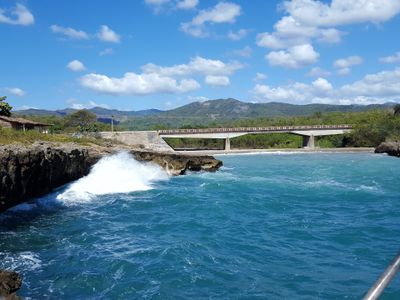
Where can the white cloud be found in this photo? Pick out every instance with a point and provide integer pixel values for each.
(197, 98)
(15, 91)
(391, 59)
(76, 66)
(217, 80)
(106, 34)
(314, 20)
(107, 51)
(187, 4)
(260, 77)
(342, 12)
(289, 32)
(197, 65)
(89, 105)
(238, 35)
(244, 52)
(322, 86)
(343, 65)
(294, 57)
(373, 88)
(318, 72)
(137, 84)
(223, 12)
(20, 15)
(70, 32)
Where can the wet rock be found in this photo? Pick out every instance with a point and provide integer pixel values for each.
(10, 283)
(391, 148)
(32, 171)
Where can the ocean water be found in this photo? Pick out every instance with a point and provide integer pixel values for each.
(273, 226)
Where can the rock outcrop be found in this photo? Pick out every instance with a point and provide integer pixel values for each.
(32, 171)
(391, 148)
(10, 283)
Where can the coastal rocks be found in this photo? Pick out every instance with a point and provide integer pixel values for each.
(391, 148)
(10, 283)
(32, 171)
(178, 164)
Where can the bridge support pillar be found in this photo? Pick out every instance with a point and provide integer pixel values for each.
(227, 143)
(308, 141)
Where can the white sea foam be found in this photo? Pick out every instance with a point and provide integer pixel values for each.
(20, 261)
(119, 173)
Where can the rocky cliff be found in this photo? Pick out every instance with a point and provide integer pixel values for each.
(391, 148)
(32, 171)
(10, 282)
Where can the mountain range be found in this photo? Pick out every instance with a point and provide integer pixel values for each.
(213, 110)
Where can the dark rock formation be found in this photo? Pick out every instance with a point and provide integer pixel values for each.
(178, 164)
(10, 282)
(391, 148)
(33, 171)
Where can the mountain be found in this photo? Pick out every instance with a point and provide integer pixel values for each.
(203, 113)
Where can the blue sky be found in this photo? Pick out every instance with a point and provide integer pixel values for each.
(139, 54)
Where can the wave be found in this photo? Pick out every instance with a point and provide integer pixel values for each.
(118, 173)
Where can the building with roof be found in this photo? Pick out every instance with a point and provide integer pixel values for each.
(23, 124)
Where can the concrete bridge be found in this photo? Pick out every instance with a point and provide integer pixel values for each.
(155, 139)
(308, 132)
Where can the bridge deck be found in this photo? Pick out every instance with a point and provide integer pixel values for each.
(253, 129)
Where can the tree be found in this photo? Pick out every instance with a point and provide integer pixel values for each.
(5, 108)
(83, 120)
(396, 110)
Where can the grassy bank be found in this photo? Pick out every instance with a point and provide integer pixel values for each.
(11, 136)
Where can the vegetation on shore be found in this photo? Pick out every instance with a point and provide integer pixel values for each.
(370, 128)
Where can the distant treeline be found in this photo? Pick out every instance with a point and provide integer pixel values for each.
(370, 128)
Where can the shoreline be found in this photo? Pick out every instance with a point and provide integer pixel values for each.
(279, 150)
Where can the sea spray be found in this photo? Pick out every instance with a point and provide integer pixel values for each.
(118, 173)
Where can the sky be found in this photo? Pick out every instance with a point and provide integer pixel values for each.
(141, 54)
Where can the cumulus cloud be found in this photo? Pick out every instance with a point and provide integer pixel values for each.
(15, 91)
(223, 12)
(76, 105)
(137, 84)
(70, 32)
(19, 15)
(318, 72)
(391, 59)
(238, 35)
(107, 51)
(244, 52)
(76, 66)
(289, 32)
(197, 65)
(314, 20)
(187, 4)
(295, 57)
(217, 80)
(380, 87)
(343, 64)
(260, 77)
(342, 12)
(106, 34)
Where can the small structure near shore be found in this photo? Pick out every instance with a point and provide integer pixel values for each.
(23, 124)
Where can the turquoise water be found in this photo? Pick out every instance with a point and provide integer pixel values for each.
(294, 226)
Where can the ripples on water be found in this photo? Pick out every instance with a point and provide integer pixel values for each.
(299, 226)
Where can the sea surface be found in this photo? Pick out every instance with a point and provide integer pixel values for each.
(266, 226)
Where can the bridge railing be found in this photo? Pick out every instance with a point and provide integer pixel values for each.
(253, 129)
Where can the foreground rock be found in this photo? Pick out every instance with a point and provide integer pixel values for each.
(35, 170)
(391, 148)
(10, 283)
